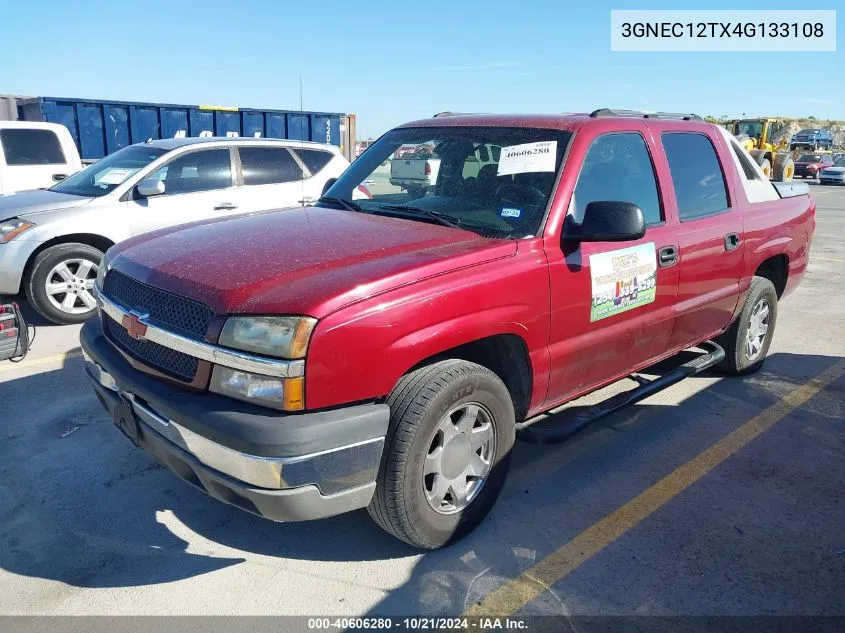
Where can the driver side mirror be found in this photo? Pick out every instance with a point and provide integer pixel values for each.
(606, 221)
(150, 187)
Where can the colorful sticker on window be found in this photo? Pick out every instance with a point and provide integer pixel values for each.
(622, 280)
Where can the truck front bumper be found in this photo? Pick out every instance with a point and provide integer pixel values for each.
(280, 467)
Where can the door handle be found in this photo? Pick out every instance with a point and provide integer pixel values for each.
(307, 200)
(59, 177)
(225, 206)
(667, 256)
(732, 241)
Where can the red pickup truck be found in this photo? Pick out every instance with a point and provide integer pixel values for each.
(385, 352)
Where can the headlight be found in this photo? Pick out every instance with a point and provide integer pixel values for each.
(105, 264)
(10, 229)
(287, 394)
(280, 337)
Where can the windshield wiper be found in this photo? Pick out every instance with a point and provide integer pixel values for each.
(346, 204)
(440, 218)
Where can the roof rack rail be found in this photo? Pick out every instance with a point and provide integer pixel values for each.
(602, 112)
(447, 113)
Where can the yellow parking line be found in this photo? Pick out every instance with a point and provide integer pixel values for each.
(47, 360)
(516, 593)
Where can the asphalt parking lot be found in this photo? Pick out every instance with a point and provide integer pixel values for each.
(719, 496)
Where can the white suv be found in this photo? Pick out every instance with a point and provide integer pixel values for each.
(51, 241)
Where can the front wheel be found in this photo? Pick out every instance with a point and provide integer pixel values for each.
(747, 341)
(60, 285)
(446, 455)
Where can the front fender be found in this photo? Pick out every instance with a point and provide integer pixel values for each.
(360, 352)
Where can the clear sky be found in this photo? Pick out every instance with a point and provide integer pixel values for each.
(393, 61)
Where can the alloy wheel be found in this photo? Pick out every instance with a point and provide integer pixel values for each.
(758, 327)
(70, 286)
(459, 458)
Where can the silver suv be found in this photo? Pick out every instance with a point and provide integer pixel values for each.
(51, 241)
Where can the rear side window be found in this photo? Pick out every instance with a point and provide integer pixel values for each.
(268, 165)
(700, 188)
(618, 167)
(314, 159)
(31, 147)
(203, 170)
(745, 162)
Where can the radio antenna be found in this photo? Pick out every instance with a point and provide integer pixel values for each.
(301, 125)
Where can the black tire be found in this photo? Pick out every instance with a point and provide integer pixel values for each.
(417, 404)
(36, 282)
(733, 340)
(784, 168)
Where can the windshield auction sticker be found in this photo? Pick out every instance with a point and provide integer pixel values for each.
(527, 158)
(622, 280)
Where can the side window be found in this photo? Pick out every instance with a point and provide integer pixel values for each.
(700, 188)
(268, 165)
(314, 159)
(618, 167)
(31, 147)
(745, 162)
(197, 171)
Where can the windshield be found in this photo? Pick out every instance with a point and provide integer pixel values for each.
(495, 181)
(109, 172)
(839, 163)
(810, 158)
(750, 128)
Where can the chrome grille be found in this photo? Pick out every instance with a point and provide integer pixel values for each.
(164, 308)
(164, 359)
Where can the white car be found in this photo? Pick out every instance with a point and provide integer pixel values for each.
(35, 155)
(51, 241)
(835, 174)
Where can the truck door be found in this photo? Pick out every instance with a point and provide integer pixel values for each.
(197, 185)
(710, 236)
(612, 302)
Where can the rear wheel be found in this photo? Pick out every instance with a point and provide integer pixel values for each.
(60, 285)
(747, 341)
(766, 166)
(446, 455)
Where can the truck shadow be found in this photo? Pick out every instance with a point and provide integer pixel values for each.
(79, 504)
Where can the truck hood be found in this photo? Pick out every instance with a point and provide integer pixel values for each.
(25, 203)
(299, 261)
(834, 170)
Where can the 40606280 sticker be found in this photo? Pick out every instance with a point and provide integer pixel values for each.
(622, 280)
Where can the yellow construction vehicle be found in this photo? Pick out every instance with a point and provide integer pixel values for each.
(774, 158)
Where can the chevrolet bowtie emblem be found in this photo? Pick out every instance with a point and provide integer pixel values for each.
(135, 328)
